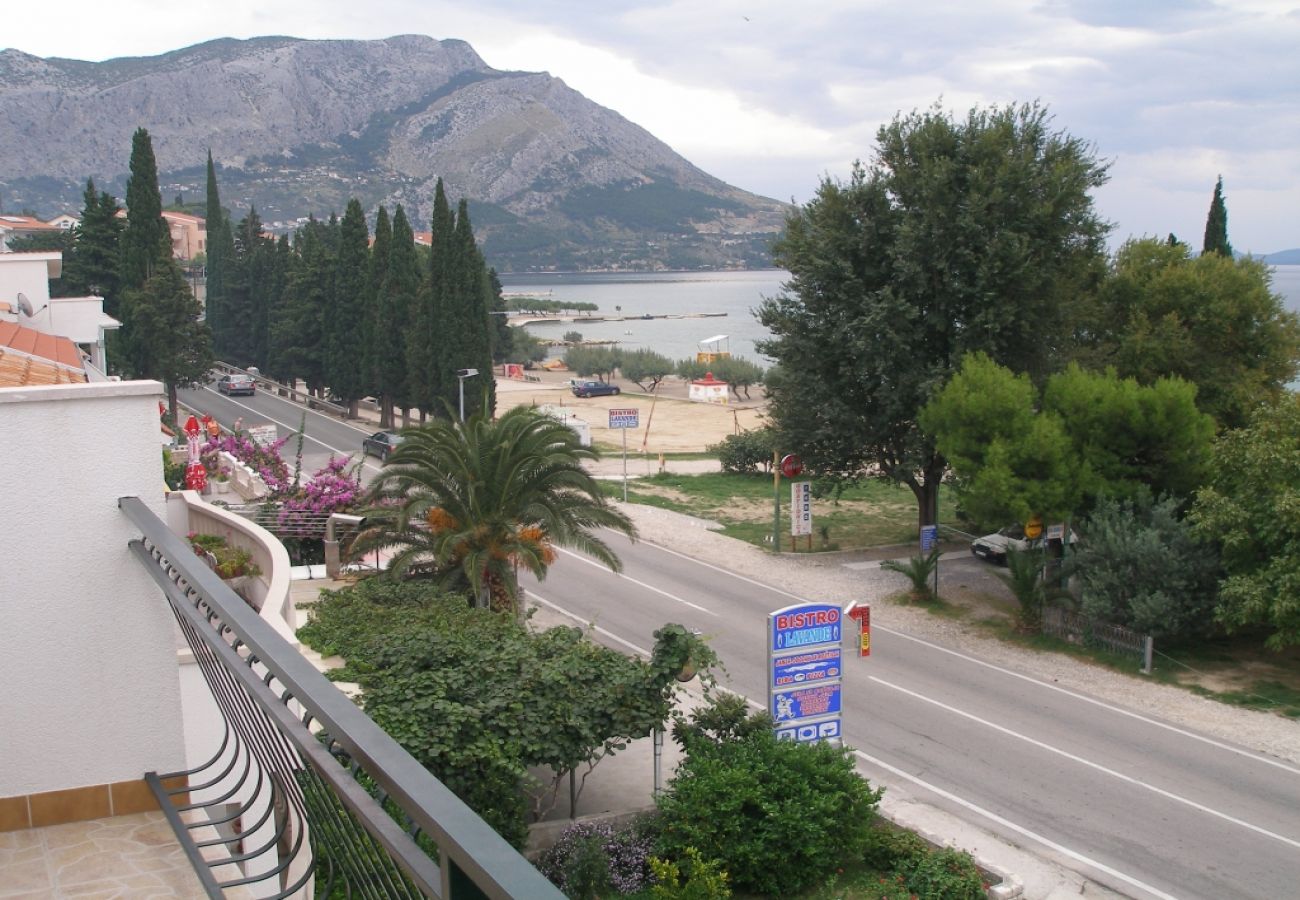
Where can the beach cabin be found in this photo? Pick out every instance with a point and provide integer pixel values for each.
(713, 348)
(710, 390)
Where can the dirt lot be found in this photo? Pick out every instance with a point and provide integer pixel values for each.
(670, 423)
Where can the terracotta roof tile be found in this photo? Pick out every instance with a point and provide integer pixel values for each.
(28, 356)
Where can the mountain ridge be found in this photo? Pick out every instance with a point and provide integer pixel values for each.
(297, 127)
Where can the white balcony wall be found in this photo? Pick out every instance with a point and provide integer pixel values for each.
(89, 666)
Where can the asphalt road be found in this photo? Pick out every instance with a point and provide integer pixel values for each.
(1138, 805)
(325, 435)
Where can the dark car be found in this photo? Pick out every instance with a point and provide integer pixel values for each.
(236, 384)
(381, 444)
(594, 389)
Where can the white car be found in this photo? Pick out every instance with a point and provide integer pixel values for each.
(994, 547)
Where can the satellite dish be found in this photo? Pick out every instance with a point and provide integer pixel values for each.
(25, 305)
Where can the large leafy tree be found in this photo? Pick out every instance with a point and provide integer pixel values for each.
(480, 498)
(1251, 508)
(1090, 435)
(1216, 225)
(1211, 320)
(962, 236)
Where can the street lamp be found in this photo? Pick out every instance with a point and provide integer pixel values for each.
(461, 375)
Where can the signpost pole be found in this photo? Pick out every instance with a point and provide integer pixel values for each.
(776, 501)
(624, 465)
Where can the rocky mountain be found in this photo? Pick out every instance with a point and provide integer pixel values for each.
(298, 127)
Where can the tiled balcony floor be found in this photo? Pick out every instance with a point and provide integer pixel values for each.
(126, 856)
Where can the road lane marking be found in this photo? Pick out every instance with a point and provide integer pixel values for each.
(293, 429)
(1249, 754)
(1095, 702)
(1012, 826)
(649, 587)
(577, 618)
(1200, 807)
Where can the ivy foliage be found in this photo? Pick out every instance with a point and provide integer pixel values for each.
(778, 815)
(478, 698)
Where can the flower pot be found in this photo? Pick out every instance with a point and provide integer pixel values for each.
(222, 487)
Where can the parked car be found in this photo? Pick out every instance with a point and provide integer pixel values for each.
(594, 389)
(380, 444)
(994, 547)
(236, 384)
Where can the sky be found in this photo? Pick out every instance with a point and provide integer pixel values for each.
(773, 97)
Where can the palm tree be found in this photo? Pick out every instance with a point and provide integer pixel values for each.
(479, 499)
(919, 570)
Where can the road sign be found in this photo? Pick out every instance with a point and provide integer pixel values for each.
(1056, 532)
(1034, 527)
(800, 508)
(262, 435)
(624, 418)
(929, 537)
(803, 625)
(791, 466)
(806, 702)
(807, 732)
(863, 616)
(799, 668)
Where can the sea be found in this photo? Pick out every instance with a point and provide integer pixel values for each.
(729, 299)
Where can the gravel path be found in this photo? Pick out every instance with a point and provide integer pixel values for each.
(827, 579)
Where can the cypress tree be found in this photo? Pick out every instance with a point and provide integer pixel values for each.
(398, 295)
(1216, 224)
(297, 326)
(429, 365)
(167, 341)
(376, 341)
(468, 303)
(344, 350)
(147, 241)
(220, 252)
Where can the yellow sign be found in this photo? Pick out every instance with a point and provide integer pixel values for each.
(1034, 527)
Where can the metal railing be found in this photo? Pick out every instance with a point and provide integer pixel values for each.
(304, 786)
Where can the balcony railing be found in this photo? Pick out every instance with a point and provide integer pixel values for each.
(305, 790)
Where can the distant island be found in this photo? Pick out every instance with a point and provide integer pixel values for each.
(1283, 258)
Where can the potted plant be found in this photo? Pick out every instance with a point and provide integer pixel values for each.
(221, 479)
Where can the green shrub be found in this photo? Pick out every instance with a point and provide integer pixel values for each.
(919, 570)
(888, 848)
(590, 860)
(745, 452)
(777, 815)
(945, 874)
(705, 879)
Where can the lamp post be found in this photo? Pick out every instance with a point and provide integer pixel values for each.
(461, 375)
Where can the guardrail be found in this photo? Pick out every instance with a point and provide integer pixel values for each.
(284, 390)
(320, 791)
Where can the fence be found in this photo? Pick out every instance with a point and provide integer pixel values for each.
(1079, 629)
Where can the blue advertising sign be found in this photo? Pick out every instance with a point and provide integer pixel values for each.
(804, 625)
(797, 668)
(624, 418)
(807, 732)
(805, 702)
(929, 537)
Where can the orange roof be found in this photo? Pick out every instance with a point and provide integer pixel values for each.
(26, 223)
(28, 356)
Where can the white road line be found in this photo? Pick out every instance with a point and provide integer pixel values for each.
(293, 429)
(577, 618)
(1099, 703)
(649, 587)
(1027, 678)
(1200, 807)
(1018, 829)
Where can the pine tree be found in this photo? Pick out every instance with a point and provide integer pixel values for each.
(91, 267)
(167, 341)
(147, 241)
(1216, 224)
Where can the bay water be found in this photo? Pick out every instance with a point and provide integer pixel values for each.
(686, 294)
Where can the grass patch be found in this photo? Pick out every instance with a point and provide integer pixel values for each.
(871, 514)
(1267, 696)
